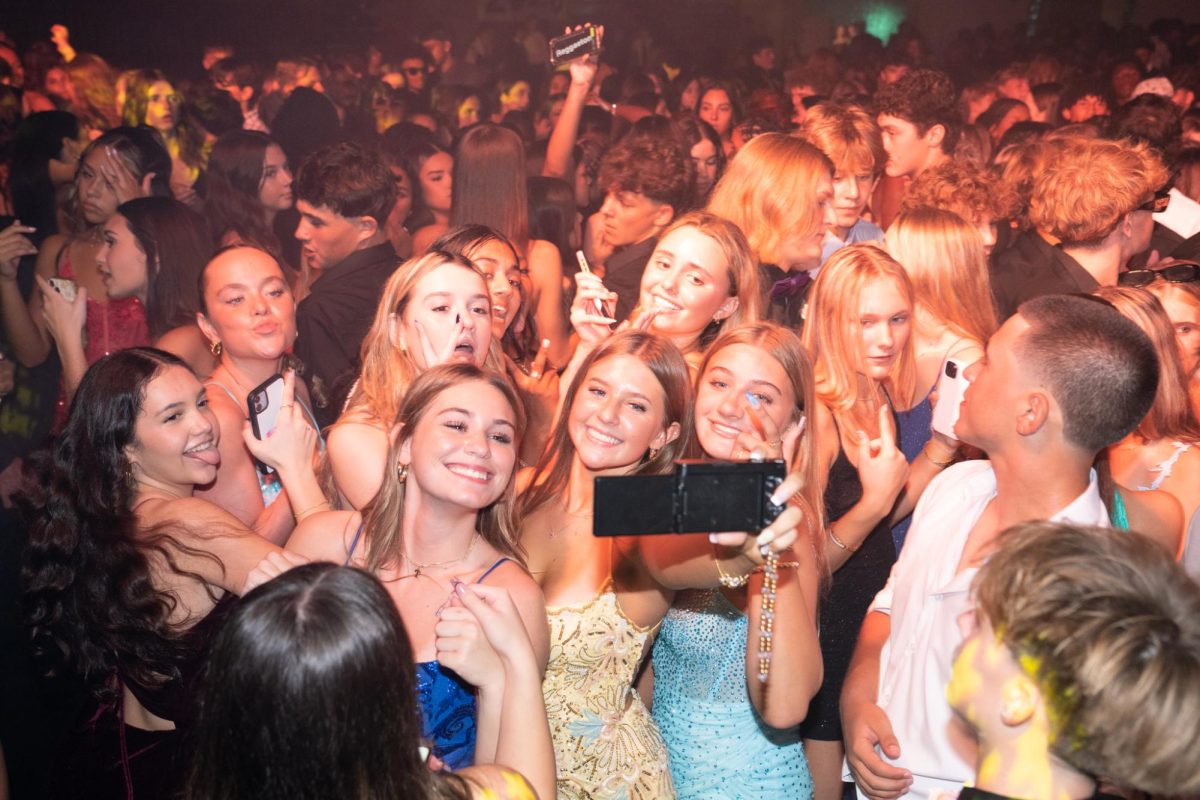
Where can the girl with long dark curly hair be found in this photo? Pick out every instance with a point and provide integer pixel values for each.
(127, 575)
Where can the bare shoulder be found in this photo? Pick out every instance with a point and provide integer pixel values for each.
(356, 432)
(193, 516)
(544, 254)
(494, 782)
(187, 342)
(325, 536)
(1156, 515)
(48, 252)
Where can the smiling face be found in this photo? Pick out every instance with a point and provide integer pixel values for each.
(717, 110)
(498, 263)
(97, 200)
(732, 373)
(618, 415)
(251, 310)
(885, 323)
(453, 312)
(437, 183)
(121, 261)
(463, 449)
(175, 436)
(687, 283)
(275, 187)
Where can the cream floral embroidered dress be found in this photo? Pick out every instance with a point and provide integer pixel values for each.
(606, 745)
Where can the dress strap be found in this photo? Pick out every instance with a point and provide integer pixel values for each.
(354, 544)
(1165, 468)
(492, 568)
(226, 390)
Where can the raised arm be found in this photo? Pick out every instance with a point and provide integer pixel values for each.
(23, 326)
(562, 138)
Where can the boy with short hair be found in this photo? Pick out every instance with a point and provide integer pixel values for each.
(919, 118)
(851, 140)
(1082, 660)
(648, 179)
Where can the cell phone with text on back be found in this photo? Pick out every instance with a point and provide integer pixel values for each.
(263, 403)
(576, 44)
(952, 383)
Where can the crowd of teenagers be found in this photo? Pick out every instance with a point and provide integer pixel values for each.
(957, 297)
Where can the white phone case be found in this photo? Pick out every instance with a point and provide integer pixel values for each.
(951, 385)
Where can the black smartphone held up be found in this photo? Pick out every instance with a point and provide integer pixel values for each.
(263, 403)
(698, 497)
(576, 44)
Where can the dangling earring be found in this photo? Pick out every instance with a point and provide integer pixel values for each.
(402, 472)
(216, 348)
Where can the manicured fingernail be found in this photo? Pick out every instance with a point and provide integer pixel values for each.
(712, 538)
(752, 400)
(765, 538)
(545, 344)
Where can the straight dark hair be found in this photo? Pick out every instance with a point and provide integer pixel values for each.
(235, 176)
(177, 245)
(310, 693)
(489, 182)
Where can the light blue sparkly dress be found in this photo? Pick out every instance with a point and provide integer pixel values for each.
(716, 744)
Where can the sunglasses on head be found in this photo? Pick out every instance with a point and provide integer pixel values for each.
(1158, 203)
(1180, 272)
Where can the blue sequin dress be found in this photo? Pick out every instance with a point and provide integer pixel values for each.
(717, 746)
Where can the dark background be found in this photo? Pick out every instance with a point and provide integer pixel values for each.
(170, 33)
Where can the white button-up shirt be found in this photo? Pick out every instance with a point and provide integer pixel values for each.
(924, 596)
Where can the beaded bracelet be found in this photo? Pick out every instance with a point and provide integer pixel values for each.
(729, 581)
(766, 618)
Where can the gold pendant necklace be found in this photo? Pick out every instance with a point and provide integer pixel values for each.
(418, 567)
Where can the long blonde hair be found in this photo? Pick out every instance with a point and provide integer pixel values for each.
(667, 364)
(945, 260)
(770, 192)
(383, 517)
(1171, 416)
(741, 266)
(387, 369)
(832, 339)
(784, 346)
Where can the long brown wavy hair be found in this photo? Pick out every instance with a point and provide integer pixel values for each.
(383, 516)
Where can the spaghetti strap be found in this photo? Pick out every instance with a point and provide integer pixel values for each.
(492, 568)
(354, 544)
(225, 389)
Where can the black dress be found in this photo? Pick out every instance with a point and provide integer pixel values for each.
(844, 607)
(106, 758)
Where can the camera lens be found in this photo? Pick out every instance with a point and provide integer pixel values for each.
(260, 403)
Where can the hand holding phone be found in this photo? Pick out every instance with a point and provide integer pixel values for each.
(952, 383)
(583, 41)
(277, 433)
(67, 288)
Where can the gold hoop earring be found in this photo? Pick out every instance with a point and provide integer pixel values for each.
(216, 348)
(402, 472)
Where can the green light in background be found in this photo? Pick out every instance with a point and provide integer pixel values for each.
(882, 20)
